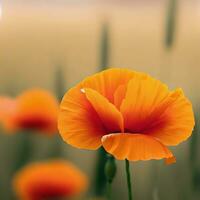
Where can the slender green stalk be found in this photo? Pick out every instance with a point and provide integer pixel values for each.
(100, 179)
(108, 191)
(110, 172)
(128, 176)
(104, 48)
(23, 151)
(156, 178)
(60, 89)
(60, 83)
(171, 23)
(193, 144)
(56, 148)
(193, 155)
(22, 155)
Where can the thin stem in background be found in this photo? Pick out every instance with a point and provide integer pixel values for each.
(156, 178)
(108, 191)
(110, 172)
(60, 83)
(166, 63)
(169, 39)
(104, 48)
(171, 23)
(193, 144)
(23, 151)
(56, 151)
(193, 155)
(128, 176)
(100, 179)
(60, 89)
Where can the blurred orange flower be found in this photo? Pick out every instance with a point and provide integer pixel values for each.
(7, 109)
(131, 114)
(34, 109)
(49, 180)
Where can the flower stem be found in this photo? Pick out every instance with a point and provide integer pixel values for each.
(110, 172)
(104, 49)
(194, 154)
(23, 151)
(171, 23)
(100, 178)
(108, 190)
(128, 176)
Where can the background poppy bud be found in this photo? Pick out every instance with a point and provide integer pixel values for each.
(110, 169)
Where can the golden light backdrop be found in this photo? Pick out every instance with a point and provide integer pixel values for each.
(38, 37)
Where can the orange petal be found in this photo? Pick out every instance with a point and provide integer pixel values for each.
(7, 112)
(78, 122)
(143, 96)
(111, 118)
(49, 180)
(171, 160)
(7, 105)
(37, 109)
(119, 95)
(178, 120)
(107, 82)
(135, 147)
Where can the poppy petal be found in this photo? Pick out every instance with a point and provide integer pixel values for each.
(143, 95)
(78, 122)
(53, 179)
(37, 109)
(179, 120)
(171, 160)
(119, 95)
(135, 147)
(106, 82)
(111, 117)
(7, 112)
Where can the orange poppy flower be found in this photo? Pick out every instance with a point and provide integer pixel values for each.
(131, 114)
(34, 109)
(49, 180)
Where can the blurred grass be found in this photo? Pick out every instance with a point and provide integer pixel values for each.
(23, 151)
(60, 88)
(171, 22)
(60, 82)
(194, 163)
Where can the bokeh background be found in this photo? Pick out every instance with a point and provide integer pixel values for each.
(40, 39)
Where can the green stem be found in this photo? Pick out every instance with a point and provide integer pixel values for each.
(194, 142)
(56, 149)
(23, 151)
(110, 172)
(128, 176)
(171, 23)
(100, 179)
(194, 154)
(108, 191)
(104, 49)
(60, 89)
(22, 155)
